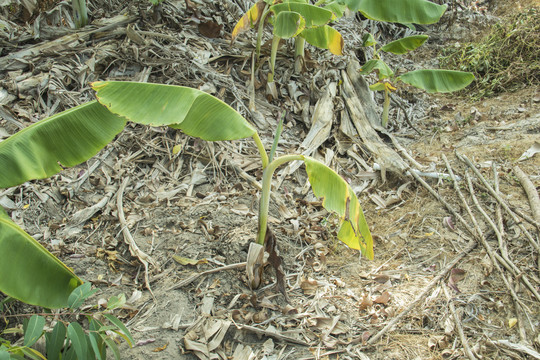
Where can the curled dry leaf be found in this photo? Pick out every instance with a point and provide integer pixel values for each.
(255, 265)
(447, 221)
(366, 302)
(383, 298)
(456, 275)
(309, 286)
(161, 348)
(289, 310)
(187, 261)
(275, 260)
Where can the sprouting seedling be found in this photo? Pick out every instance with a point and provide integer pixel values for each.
(79, 133)
(430, 80)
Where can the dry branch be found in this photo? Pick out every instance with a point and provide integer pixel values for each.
(531, 192)
(501, 201)
(134, 249)
(457, 322)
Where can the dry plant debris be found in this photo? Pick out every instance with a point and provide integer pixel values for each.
(456, 269)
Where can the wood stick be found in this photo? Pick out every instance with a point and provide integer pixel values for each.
(457, 322)
(518, 347)
(134, 249)
(503, 203)
(532, 194)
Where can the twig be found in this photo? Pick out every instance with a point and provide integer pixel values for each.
(194, 277)
(505, 206)
(499, 229)
(471, 231)
(518, 347)
(530, 190)
(134, 249)
(400, 105)
(272, 334)
(457, 322)
(495, 261)
(423, 294)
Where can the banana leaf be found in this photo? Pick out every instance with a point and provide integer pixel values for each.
(249, 20)
(436, 80)
(288, 24)
(28, 272)
(65, 139)
(324, 37)
(404, 45)
(400, 11)
(193, 111)
(379, 66)
(337, 196)
(314, 15)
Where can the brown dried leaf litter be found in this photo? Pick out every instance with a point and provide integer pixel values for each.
(184, 198)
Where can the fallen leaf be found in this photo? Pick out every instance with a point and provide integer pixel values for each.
(456, 275)
(383, 298)
(176, 149)
(512, 322)
(186, 261)
(210, 29)
(161, 348)
(366, 302)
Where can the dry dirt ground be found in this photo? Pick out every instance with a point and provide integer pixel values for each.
(439, 287)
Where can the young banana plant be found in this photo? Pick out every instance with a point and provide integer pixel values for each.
(31, 274)
(296, 19)
(405, 12)
(430, 80)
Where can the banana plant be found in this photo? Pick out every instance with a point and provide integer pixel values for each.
(404, 12)
(430, 80)
(31, 274)
(294, 19)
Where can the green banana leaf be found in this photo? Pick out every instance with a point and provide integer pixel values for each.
(404, 45)
(368, 40)
(65, 139)
(337, 7)
(383, 71)
(324, 37)
(339, 197)
(288, 24)
(314, 15)
(29, 272)
(193, 111)
(400, 11)
(434, 81)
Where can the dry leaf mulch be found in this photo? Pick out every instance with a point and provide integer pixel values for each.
(168, 219)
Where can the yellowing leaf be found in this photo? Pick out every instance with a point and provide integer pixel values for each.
(249, 20)
(176, 149)
(512, 322)
(187, 261)
(324, 37)
(339, 197)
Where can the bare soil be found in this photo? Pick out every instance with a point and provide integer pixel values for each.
(185, 198)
